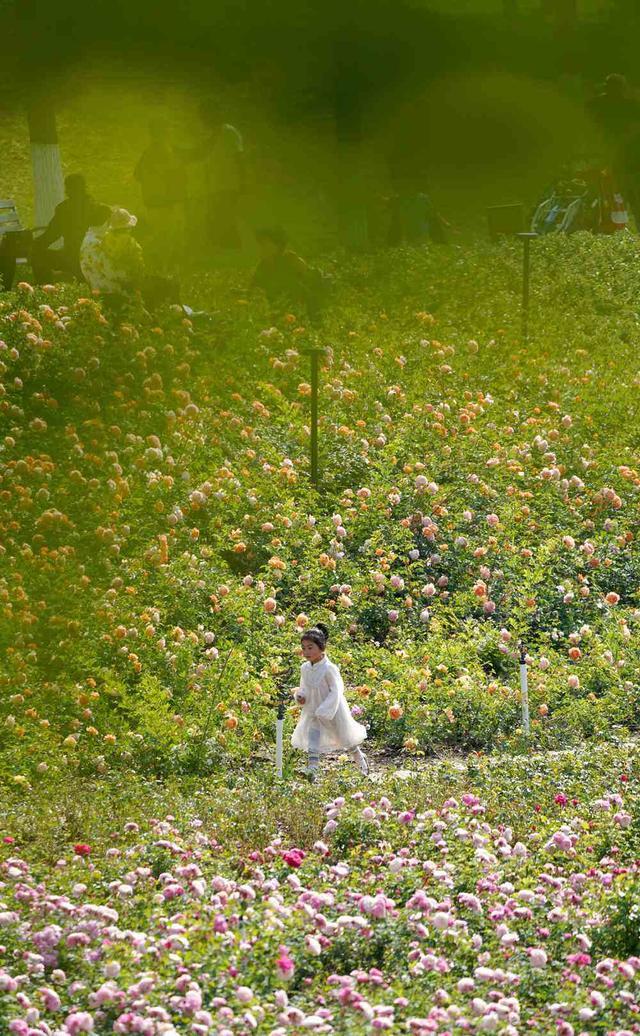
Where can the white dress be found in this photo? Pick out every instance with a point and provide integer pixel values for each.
(325, 706)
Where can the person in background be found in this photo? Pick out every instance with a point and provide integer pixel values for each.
(112, 263)
(628, 164)
(225, 178)
(162, 178)
(222, 157)
(413, 217)
(615, 111)
(111, 260)
(284, 276)
(70, 221)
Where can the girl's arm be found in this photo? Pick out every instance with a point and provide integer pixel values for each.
(329, 706)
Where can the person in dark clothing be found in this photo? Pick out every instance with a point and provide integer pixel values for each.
(159, 171)
(284, 276)
(414, 219)
(221, 156)
(71, 220)
(614, 109)
(628, 163)
(162, 178)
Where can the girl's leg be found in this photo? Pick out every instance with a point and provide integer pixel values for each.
(314, 746)
(360, 760)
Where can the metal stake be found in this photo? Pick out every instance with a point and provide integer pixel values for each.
(314, 352)
(281, 703)
(205, 731)
(524, 688)
(279, 736)
(526, 239)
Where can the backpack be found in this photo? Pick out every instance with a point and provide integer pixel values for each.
(564, 211)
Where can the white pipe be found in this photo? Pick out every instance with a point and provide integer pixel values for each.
(279, 729)
(524, 690)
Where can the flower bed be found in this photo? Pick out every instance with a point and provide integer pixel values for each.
(162, 549)
(499, 898)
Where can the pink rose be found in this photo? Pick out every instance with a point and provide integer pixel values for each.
(79, 1021)
(50, 999)
(538, 958)
(622, 819)
(284, 964)
(293, 857)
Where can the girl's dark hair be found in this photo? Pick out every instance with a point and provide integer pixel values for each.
(319, 634)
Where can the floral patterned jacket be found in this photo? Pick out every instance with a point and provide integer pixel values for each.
(111, 260)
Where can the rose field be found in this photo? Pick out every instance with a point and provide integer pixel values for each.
(161, 550)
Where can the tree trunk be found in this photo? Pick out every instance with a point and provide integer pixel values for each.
(46, 166)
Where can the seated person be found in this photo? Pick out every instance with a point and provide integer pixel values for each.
(70, 221)
(112, 263)
(110, 258)
(284, 276)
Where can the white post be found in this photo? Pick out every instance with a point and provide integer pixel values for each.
(524, 689)
(45, 161)
(279, 729)
(281, 702)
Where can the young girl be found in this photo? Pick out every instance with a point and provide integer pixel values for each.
(326, 724)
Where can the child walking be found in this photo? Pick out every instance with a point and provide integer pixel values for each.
(326, 724)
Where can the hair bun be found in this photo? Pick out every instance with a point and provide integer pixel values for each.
(323, 629)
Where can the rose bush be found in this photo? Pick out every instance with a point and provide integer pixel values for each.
(162, 548)
(491, 897)
(160, 552)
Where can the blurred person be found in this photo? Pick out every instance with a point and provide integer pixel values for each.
(162, 178)
(414, 218)
(112, 263)
(614, 110)
(629, 170)
(284, 276)
(70, 222)
(111, 260)
(222, 156)
(225, 171)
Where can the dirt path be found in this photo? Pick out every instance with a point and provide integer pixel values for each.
(404, 766)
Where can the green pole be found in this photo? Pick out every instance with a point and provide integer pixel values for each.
(526, 239)
(314, 353)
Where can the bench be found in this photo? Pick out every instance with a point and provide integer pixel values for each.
(506, 219)
(15, 242)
